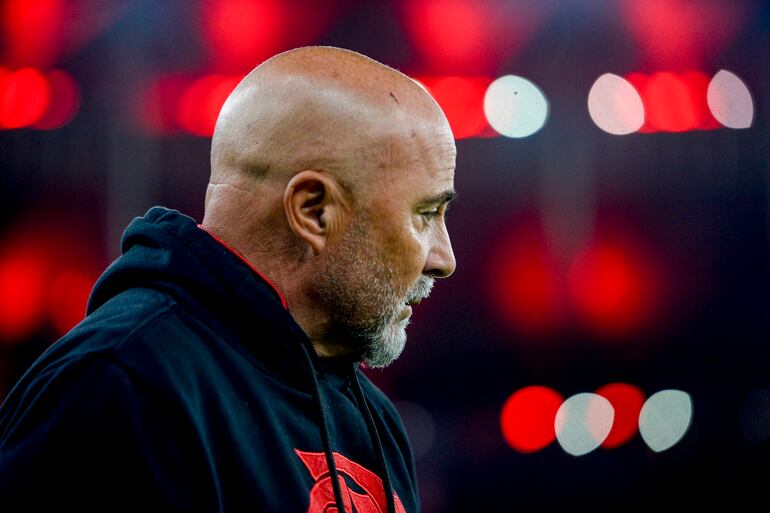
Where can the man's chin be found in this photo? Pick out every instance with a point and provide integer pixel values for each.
(387, 348)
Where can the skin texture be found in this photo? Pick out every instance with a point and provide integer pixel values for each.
(331, 174)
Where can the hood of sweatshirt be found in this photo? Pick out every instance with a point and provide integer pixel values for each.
(168, 251)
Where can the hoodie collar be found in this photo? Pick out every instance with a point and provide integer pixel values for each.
(167, 251)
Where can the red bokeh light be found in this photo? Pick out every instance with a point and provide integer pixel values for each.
(242, 33)
(669, 106)
(613, 288)
(68, 297)
(470, 36)
(627, 401)
(32, 31)
(45, 274)
(199, 106)
(681, 34)
(462, 100)
(528, 418)
(674, 102)
(65, 101)
(25, 96)
(156, 104)
(23, 274)
(525, 284)
(450, 32)
(697, 84)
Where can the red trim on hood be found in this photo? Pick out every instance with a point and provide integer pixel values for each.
(283, 301)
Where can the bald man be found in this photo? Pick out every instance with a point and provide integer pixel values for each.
(218, 366)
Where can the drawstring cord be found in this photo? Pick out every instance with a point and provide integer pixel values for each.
(324, 432)
(375, 437)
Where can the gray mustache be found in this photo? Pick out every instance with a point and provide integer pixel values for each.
(421, 289)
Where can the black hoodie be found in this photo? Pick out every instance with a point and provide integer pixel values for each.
(190, 387)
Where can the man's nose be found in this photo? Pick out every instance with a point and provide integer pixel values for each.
(441, 259)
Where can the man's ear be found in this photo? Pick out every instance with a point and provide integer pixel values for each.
(315, 207)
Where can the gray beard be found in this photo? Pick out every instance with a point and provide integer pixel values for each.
(358, 291)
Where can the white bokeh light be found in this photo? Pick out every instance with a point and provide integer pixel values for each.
(730, 100)
(583, 423)
(515, 107)
(665, 418)
(615, 105)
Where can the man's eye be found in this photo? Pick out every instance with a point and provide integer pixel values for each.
(430, 214)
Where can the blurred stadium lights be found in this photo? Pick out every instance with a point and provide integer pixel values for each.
(665, 418)
(615, 288)
(583, 422)
(239, 34)
(200, 103)
(534, 416)
(515, 107)
(680, 34)
(669, 102)
(173, 103)
(46, 274)
(730, 100)
(23, 284)
(615, 105)
(471, 36)
(31, 98)
(40, 33)
(527, 418)
(525, 288)
(68, 296)
(33, 31)
(462, 100)
(627, 401)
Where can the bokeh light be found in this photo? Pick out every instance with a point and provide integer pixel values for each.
(32, 31)
(201, 101)
(242, 33)
(25, 95)
(627, 401)
(23, 288)
(665, 419)
(528, 418)
(68, 297)
(515, 107)
(730, 100)
(449, 33)
(64, 104)
(615, 105)
(613, 287)
(669, 105)
(525, 284)
(583, 422)
(462, 100)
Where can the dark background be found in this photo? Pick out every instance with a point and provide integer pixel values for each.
(684, 212)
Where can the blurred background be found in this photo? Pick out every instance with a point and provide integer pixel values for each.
(603, 344)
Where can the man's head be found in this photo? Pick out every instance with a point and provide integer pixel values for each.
(331, 173)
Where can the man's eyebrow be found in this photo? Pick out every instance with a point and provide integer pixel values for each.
(442, 197)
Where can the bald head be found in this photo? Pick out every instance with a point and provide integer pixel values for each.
(318, 108)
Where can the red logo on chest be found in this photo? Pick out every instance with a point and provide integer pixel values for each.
(371, 498)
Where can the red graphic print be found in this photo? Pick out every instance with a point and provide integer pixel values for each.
(370, 500)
